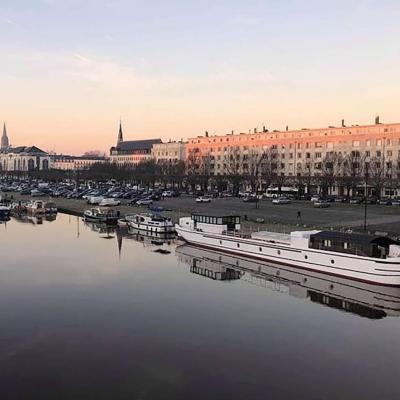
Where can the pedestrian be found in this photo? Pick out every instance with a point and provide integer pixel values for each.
(298, 214)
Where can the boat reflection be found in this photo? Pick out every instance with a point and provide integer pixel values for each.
(362, 299)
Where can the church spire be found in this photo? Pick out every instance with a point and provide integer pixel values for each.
(4, 139)
(120, 136)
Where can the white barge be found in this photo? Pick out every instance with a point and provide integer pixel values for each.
(152, 223)
(367, 258)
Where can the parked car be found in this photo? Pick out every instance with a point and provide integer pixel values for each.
(36, 193)
(321, 204)
(250, 199)
(281, 200)
(356, 200)
(314, 197)
(203, 199)
(109, 202)
(95, 199)
(144, 202)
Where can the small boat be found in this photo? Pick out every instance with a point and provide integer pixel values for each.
(4, 211)
(35, 207)
(153, 223)
(124, 221)
(101, 215)
(50, 207)
(368, 258)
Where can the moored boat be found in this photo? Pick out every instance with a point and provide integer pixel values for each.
(35, 207)
(4, 211)
(50, 207)
(124, 221)
(153, 223)
(101, 215)
(363, 257)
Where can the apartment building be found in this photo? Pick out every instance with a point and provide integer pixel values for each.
(171, 151)
(296, 153)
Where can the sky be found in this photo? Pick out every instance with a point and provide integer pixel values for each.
(70, 69)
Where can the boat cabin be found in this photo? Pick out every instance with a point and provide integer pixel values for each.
(354, 243)
(215, 223)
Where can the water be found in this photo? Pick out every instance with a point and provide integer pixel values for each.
(95, 315)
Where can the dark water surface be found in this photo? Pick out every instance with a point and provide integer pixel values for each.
(90, 315)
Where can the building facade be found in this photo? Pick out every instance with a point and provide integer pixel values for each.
(21, 158)
(24, 159)
(171, 152)
(74, 163)
(334, 153)
(132, 152)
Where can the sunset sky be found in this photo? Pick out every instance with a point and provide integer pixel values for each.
(173, 69)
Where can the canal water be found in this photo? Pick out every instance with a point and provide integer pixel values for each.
(87, 313)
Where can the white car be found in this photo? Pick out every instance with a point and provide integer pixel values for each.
(314, 198)
(281, 200)
(167, 193)
(202, 199)
(109, 202)
(144, 202)
(95, 199)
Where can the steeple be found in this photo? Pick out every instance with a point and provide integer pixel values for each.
(120, 137)
(4, 139)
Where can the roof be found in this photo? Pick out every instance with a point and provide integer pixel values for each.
(356, 238)
(212, 213)
(26, 149)
(137, 144)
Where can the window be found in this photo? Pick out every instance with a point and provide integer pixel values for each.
(356, 143)
(346, 245)
(327, 243)
(389, 153)
(378, 153)
(379, 142)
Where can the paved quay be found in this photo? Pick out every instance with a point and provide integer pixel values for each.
(279, 218)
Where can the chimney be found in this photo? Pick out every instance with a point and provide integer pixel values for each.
(206, 133)
(343, 125)
(287, 128)
(264, 130)
(377, 120)
(232, 133)
(255, 130)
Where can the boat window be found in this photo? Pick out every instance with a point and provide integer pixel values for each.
(332, 261)
(238, 245)
(327, 243)
(260, 248)
(219, 221)
(220, 242)
(306, 257)
(279, 252)
(206, 220)
(237, 220)
(346, 245)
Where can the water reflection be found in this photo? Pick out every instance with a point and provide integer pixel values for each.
(363, 299)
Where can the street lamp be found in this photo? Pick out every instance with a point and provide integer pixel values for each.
(365, 197)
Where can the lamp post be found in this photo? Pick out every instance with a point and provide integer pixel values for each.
(365, 197)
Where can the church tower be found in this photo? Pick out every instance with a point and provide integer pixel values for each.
(120, 136)
(4, 139)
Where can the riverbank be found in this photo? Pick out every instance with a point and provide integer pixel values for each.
(266, 216)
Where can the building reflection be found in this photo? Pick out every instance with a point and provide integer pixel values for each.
(358, 298)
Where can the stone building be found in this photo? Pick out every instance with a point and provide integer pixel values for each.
(171, 152)
(21, 158)
(73, 163)
(339, 154)
(131, 152)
